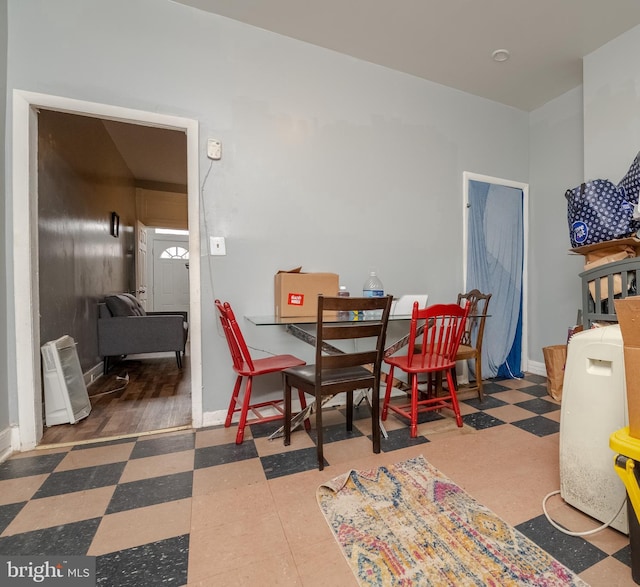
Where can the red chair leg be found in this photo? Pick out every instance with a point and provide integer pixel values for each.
(387, 394)
(454, 399)
(245, 410)
(232, 403)
(303, 406)
(414, 405)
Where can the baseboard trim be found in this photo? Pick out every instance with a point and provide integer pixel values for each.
(537, 368)
(217, 417)
(7, 440)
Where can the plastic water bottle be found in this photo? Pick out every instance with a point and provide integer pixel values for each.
(343, 293)
(373, 288)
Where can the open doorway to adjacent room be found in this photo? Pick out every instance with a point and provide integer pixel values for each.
(82, 163)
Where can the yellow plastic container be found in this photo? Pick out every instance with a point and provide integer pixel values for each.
(627, 464)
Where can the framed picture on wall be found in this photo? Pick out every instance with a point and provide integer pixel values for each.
(115, 224)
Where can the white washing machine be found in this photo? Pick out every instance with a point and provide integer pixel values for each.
(594, 405)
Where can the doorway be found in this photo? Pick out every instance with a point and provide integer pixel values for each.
(27, 304)
(495, 261)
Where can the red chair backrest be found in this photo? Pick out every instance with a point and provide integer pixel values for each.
(237, 346)
(440, 340)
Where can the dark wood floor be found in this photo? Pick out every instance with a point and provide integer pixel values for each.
(156, 397)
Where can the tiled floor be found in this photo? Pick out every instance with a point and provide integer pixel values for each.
(191, 507)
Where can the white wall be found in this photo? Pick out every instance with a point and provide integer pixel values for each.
(612, 107)
(556, 164)
(603, 122)
(5, 441)
(328, 162)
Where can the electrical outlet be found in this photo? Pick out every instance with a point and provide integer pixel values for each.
(214, 149)
(217, 246)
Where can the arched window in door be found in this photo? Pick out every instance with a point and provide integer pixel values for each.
(179, 253)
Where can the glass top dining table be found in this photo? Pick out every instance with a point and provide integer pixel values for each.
(295, 326)
(298, 327)
(274, 320)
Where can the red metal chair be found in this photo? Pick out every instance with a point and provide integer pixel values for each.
(245, 366)
(434, 353)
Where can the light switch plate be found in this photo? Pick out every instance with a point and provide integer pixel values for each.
(217, 245)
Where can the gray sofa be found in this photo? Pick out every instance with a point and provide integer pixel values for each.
(125, 328)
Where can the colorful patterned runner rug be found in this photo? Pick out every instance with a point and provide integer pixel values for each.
(409, 525)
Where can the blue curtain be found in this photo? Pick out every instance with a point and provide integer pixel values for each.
(495, 256)
(512, 366)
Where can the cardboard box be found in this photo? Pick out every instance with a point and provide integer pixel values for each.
(628, 311)
(598, 250)
(296, 293)
(617, 278)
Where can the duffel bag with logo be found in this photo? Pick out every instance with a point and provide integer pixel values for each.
(597, 211)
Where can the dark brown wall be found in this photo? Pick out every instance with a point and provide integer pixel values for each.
(81, 180)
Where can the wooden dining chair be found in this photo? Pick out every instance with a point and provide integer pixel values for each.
(345, 370)
(247, 367)
(471, 344)
(431, 353)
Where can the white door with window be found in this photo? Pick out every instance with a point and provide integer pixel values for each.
(170, 273)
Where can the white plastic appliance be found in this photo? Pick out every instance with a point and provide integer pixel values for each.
(66, 400)
(594, 405)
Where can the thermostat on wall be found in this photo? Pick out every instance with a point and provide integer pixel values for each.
(214, 149)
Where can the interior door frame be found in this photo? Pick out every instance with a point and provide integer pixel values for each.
(25, 248)
(468, 176)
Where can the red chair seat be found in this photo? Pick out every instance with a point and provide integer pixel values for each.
(420, 364)
(266, 365)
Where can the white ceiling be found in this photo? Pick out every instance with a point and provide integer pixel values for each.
(451, 41)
